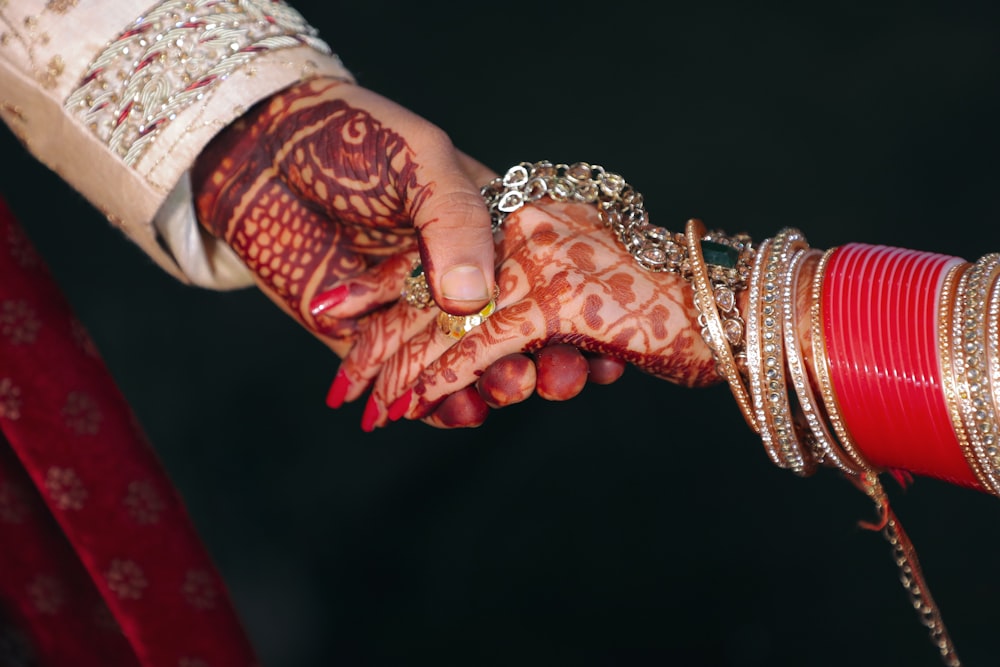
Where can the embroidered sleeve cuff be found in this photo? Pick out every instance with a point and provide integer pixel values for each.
(123, 120)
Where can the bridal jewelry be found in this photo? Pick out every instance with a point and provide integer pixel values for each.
(415, 290)
(457, 326)
(790, 405)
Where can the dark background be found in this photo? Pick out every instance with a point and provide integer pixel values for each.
(639, 523)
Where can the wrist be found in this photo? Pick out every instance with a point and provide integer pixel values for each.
(219, 164)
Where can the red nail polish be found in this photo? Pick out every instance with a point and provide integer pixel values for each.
(335, 397)
(399, 407)
(370, 415)
(328, 299)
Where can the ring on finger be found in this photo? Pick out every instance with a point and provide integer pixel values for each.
(415, 289)
(457, 326)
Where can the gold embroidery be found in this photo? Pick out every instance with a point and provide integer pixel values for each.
(81, 413)
(199, 589)
(18, 322)
(10, 399)
(173, 57)
(60, 6)
(46, 594)
(65, 489)
(53, 70)
(49, 74)
(126, 579)
(143, 503)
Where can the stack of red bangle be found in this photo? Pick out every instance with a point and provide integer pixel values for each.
(880, 325)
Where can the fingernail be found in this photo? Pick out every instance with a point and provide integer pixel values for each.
(399, 407)
(335, 397)
(370, 415)
(329, 299)
(464, 283)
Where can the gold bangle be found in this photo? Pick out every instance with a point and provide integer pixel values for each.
(829, 398)
(820, 439)
(969, 412)
(992, 352)
(975, 386)
(951, 296)
(755, 371)
(713, 330)
(768, 380)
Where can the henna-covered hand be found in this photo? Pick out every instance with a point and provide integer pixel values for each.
(556, 372)
(564, 280)
(327, 180)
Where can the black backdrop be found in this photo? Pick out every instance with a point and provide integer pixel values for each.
(637, 524)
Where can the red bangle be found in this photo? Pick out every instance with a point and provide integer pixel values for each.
(877, 387)
(845, 363)
(908, 302)
(880, 314)
(840, 260)
(924, 392)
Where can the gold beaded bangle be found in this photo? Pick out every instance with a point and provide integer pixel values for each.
(771, 390)
(768, 391)
(707, 295)
(951, 293)
(973, 405)
(992, 343)
(981, 418)
(821, 440)
(974, 382)
(849, 451)
(754, 361)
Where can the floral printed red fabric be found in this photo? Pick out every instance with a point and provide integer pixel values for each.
(101, 565)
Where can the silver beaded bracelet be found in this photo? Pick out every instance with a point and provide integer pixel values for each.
(622, 210)
(726, 259)
(717, 265)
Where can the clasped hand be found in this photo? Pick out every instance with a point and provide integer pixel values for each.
(567, 289)
(330, 193)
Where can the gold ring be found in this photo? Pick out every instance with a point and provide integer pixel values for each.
(415, 290)
(457, 326)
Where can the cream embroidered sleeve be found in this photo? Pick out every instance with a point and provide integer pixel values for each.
(119, 98)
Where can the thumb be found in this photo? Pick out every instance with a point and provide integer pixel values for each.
(453, 231)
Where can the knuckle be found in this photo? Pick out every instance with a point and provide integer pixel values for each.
(455, 208)
(457, 215)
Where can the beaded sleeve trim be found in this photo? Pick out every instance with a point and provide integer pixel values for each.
(171, 58)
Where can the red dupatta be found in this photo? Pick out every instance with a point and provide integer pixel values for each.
(100, 564)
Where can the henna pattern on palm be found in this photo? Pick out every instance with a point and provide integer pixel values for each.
(563, 279)
(308, 189)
